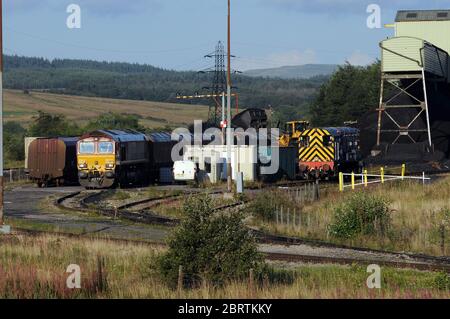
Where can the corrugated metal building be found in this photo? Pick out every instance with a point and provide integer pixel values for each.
(415, 70)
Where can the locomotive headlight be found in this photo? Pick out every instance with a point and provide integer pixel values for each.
(109, 165)
(82, 165)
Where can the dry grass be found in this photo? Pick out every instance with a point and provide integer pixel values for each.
(415, 217)
(34, 267)
(22, 107)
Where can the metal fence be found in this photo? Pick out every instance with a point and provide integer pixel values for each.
(15, 175)
(365, 179)
(290, 216)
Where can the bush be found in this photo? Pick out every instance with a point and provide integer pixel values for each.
(361, 214)
(265, 204)
(442, 281)
(210, 246)
(262, 207)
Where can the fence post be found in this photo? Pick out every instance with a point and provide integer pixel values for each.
(365, 178)
(10, 175)
(317, 190)
(281, 214)
(295, 221)
(288, 213)
(442, 233)
(382, 175)
(251, 283)
(276, 214)
(403, 171)
(180, 280)
(353, 181)
(341, 182)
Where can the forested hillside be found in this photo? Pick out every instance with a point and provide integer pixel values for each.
(145, 82)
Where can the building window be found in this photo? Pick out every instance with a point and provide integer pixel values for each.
(411, 15)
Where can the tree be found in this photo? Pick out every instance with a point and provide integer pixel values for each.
(209, 245)
(349, 94)
(47, 125)
(14, 135)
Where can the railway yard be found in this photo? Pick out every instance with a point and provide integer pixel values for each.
(240, 206)
(143, 217)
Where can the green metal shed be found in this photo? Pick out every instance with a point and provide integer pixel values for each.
(432, 26)
(411, 54)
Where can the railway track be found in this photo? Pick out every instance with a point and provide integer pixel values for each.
(392, 259)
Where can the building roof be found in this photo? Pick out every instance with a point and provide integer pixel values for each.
(422, 15)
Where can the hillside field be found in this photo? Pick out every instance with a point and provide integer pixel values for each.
(21, 107)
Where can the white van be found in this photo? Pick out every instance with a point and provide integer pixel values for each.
(184, 171)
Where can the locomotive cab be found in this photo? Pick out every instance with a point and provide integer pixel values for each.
(97, 161)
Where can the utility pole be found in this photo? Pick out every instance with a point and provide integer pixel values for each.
(3, 228)
(229, 135)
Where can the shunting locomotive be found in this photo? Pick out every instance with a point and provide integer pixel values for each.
(324, 152)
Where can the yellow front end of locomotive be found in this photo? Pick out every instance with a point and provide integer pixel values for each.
(96, 161)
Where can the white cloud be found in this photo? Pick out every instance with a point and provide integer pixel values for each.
(359, 58)
(274, 60)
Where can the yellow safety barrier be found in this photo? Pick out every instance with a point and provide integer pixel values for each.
(353, 181)
(365, 179)
(375, 179)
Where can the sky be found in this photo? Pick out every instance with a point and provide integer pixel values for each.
(177, 34)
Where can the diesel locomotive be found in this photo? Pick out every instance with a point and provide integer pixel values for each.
(324, 152)
(109, 158)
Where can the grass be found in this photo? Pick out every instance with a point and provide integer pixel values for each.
(415, 210)
(35, 267)
(22, 107)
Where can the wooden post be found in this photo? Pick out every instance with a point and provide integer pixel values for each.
(295, 221)
(180, 280)
(442, 233)
(251, 284)
(281, 214)
(288, 213)
(317, 190)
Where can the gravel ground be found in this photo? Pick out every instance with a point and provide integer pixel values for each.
(26, 203)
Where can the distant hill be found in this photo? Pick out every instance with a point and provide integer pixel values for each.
(147, 83)
(306, 71)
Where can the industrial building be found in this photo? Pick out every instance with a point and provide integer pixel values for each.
(414, 111)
